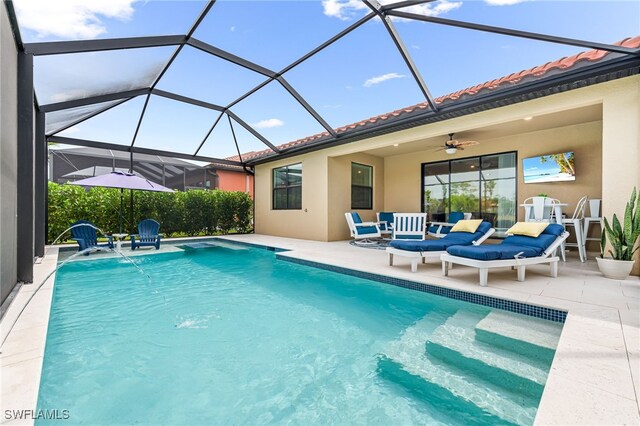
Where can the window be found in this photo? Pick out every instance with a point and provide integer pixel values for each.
(287, 187)
(361, 186)
(483, 186)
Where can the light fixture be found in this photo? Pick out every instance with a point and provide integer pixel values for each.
(451, 150)
(528, 118)
(396, 144)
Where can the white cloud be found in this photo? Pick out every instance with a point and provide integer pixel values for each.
(379, 79)
(342, 9)
(269, 123)
(348, 9)
(503, 2)
(232, 29)
(71, 18)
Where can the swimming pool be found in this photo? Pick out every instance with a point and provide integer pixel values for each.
(229, 334)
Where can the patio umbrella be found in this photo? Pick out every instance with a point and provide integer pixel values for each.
(95, 171)
(121, 180)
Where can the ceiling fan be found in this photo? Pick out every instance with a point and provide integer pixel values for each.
(452, 145)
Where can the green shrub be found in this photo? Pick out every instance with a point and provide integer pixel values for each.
(194, 212)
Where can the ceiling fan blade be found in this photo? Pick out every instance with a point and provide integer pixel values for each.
(465, 143)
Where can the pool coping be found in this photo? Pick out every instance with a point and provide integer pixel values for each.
(567, 399)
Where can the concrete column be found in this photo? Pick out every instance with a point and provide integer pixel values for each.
(620, 151)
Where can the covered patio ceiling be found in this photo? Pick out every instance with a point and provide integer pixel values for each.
(140, 91)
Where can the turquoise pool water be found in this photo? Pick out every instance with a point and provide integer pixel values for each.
(233, 336)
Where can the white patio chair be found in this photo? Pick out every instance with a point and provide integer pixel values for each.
(362, 231)
(576, 222)
(538, 209)
(409, 226)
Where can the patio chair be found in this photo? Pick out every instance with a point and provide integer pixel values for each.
(147, 235)
(409, 226)
(516, 251)
(576, 221)
(362, 231)
(385, 222)
(433, 249)
(86, 236)
(440, 229)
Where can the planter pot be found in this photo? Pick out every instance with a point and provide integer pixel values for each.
(615, 269)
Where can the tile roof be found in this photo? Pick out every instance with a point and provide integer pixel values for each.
(510, 80)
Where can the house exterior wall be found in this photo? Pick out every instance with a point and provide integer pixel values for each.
(339, 190)
(8, 156)
(310, 222)
(229, 180)
(607, 158)
(621, 149)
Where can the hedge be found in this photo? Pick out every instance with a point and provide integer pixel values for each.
(193, 212)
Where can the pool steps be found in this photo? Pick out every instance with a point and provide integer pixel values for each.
(455, 342)
(495, 362)
(527, 336)
(408, 353)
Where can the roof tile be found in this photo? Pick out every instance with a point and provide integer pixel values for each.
(511, 79)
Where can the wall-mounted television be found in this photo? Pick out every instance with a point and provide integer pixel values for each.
(549, 168)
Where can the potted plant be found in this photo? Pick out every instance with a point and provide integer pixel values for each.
(622, 237)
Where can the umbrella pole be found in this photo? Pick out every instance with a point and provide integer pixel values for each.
(131, 207)
(121, 204)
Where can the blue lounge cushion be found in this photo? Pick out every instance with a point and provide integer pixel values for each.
(454, 217)
(451, 239)
(356, 217)
(511, 246)
(494, 251)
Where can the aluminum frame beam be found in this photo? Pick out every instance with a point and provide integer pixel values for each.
(40, 187)
(516, 33)
(193, 29)
(402, 4)
(306, 105)
(25, 175)
(97, 45)
(404, 52)
(223, 54)
(215, 123)
(139, 150)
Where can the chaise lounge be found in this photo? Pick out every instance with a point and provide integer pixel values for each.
(415, 250)
(528, 243)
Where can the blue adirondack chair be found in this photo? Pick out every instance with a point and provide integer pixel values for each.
(147, 235)
(86, 236)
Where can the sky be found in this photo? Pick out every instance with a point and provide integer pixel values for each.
(359, 76)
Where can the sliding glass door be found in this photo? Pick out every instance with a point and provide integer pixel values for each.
(483, 186)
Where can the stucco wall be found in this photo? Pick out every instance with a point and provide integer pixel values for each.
(235, 181)
(621, 149)
(308, 223)
(8, 155)
(339, 190)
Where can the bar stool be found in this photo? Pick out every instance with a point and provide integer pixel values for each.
(593, 217)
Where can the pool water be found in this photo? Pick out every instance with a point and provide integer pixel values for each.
(232, 335)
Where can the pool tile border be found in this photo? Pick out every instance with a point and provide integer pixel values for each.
(550, 314)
